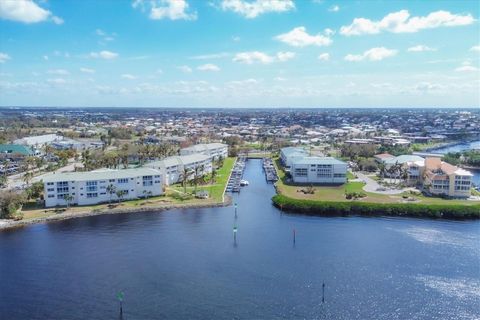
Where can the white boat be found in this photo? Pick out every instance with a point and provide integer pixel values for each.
(244, 183)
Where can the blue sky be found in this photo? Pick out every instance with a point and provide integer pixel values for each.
(239, 53)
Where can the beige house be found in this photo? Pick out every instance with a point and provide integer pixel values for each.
(441, 178)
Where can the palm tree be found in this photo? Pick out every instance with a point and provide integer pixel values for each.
(184, 178)
(120, 195)
(404, 173)
(198, 175)
(111, 189)
(68, 198)
(382, 170)
(220, 161)
(27, 177)
(86, 159)
(214, 175)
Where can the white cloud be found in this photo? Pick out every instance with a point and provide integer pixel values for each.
(466, 67)
(252, 9)
(210, 56)
(334, 8)
(475, 48)
(299, 37)
(45, 57)
(420, 48)
(279, 79)
(166, 9)
(208, 67)
(57, 81)
(402, 22)
(87, 70)
(59, 72)
(374, 54)
(285, 56)
(4, 57)
(324, 56)
(26, 11)
(108, 55)
(252, 57)
(104, 35)
(57, 20)
(185, 69)
(128, 76)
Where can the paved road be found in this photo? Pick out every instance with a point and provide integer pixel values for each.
(15, 181)
(373, 186)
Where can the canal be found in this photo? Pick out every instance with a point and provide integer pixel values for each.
(185, 264)
(459, 147)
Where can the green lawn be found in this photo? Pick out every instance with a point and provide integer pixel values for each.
(216, 189)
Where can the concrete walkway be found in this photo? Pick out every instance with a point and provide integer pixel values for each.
(373, 186)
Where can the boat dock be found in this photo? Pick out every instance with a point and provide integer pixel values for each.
(234, 182)
(270, 171)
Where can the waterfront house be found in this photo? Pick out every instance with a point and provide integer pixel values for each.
(318, 170)
(441, 178)
(88, 188)
(214, 150)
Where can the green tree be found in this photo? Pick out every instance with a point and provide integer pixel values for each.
(10, 203)
(111, 190)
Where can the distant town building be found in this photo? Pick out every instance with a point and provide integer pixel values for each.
(87, 188)
(15, 151)
(39, 140)
(172, 168)
(214, 150)
(318, 170)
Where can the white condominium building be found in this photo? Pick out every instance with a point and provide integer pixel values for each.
(173, 168)
(87, 188)
(214, 150)
(318, 170)
(289, 154)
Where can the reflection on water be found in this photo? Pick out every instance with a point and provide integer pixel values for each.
(184, 264)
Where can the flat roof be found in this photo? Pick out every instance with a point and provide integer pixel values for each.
(179, 160)
(102, 174)
(206, 146)
(317, 160)
(404, 158)
(15, 148)
(288, 151)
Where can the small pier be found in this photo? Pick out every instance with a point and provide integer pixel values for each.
(233, 184)
(270, 172)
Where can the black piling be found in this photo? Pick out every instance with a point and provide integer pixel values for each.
(323, 292)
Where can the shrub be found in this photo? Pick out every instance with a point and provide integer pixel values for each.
(332, 208)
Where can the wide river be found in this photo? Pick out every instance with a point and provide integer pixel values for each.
(185, 264)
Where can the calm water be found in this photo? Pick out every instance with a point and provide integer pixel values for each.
(183, 264)
(459, 148)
